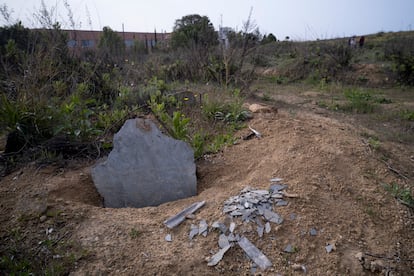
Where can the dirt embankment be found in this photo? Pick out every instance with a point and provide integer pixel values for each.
(334, 173)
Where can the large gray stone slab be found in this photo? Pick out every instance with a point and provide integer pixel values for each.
(145, 168)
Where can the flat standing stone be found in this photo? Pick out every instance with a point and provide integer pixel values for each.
(145, 168)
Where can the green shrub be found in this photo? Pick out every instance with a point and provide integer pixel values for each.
(221, 141)
(359, 101)
(400, 51)
(198, 144)
(231, 111)
(407, 115)
(404, 195)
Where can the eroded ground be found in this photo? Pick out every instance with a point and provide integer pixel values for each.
(326, 160)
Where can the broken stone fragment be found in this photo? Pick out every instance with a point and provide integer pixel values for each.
(329, 248)
(277, 188)
(254, 253)
(181, 216)
(313, 232)
(193, 231)
(260, 231)
(289, 249)
(232, 227)
(247, 214)
(229, 208)
(277, 196)
(281, 203)
(223, 241)
(260, 192)
(216, 258)
(232, 238)
(203, 228)
(267, 228)
(220, 225)
(272, 217)
(168, 238)
(236, 213)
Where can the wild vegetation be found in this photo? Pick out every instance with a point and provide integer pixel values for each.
(57, 105)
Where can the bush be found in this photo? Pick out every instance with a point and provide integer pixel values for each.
(359, 101)
(316, 61)
(400, 51)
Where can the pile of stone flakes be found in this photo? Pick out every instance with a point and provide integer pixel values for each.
(250, 206)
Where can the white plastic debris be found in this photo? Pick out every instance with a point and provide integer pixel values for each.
(258, 134)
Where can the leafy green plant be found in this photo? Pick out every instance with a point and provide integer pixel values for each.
(198, 144)
(179, 125)
(374, 143)
(15, 266)
(407, 115)
(359, 101)
(134, 233)
(231, 111)
(76, 119)
(404, 195)
(266, 97)
(220, 141)
(400, 51)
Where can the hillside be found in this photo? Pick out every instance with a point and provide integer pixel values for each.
(342, 140)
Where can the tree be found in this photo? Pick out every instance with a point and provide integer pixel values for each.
(111, 44)
(268, 38)
(193, 30)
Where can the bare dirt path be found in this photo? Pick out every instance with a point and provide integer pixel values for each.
(337, 178)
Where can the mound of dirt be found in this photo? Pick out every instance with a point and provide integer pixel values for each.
(322, 160)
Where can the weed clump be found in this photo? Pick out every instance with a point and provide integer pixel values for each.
(400, 51)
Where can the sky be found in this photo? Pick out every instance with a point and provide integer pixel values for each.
(298, 19)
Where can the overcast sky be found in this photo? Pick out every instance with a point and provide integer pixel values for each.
(299, 19)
